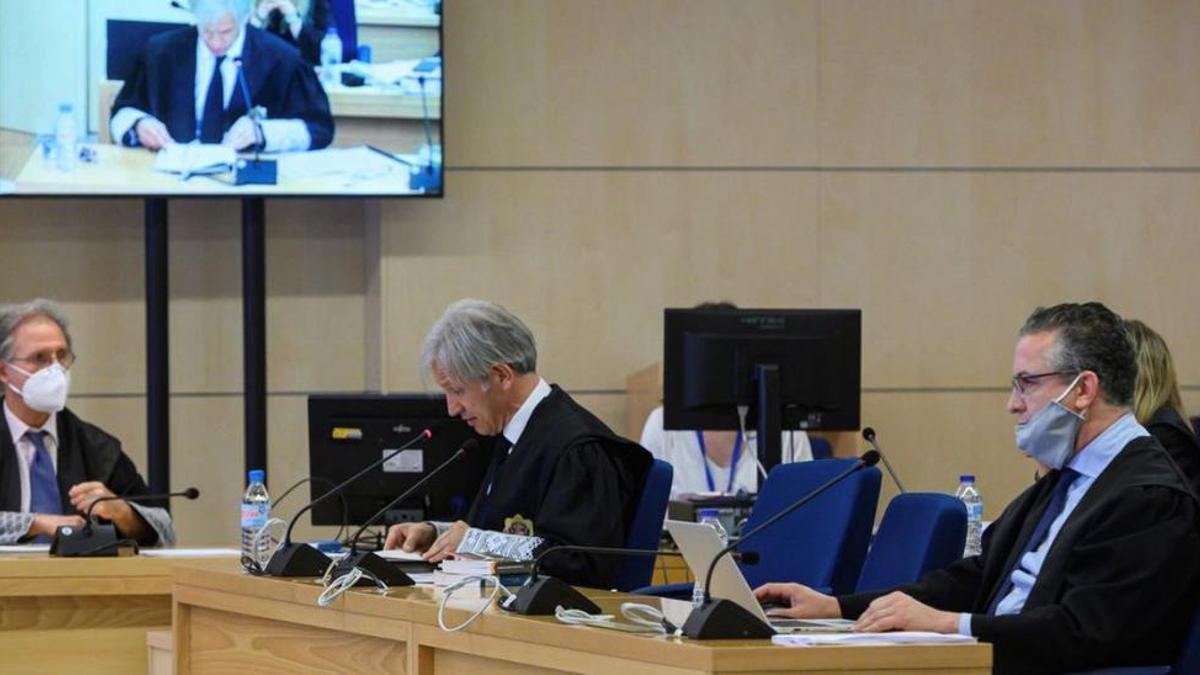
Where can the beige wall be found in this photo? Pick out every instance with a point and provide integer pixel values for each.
(945, 166)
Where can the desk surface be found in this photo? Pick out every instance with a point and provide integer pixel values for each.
(84, 614)
(129, 171)
(226, 620)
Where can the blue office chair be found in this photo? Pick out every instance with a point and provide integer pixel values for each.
(821, 448)
(821, 544)
(1189, 656)
(646, 530)
(920, 531)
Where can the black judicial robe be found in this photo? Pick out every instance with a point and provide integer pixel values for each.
(1119, 586)
(575, 480)
(1169, 428)
(85, 452)
(164, 83)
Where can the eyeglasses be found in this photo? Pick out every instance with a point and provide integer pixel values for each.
(63, 357)
(1023, 381)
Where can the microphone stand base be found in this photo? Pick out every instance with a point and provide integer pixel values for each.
(543, 595)
(256, 172)
(81, 542)
(297, 560)
(723, 620)
(377, 566)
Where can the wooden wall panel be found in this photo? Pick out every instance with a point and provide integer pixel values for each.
(1019, 83)
(589, 259)
(624, 82)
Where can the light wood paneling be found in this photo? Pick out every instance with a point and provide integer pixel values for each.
(1024, 82)
(589, 260)
(624, 82)
(947, 266)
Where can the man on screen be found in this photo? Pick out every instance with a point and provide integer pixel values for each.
(185, 87)
(1095, 564)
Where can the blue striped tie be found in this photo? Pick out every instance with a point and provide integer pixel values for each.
(44, 496)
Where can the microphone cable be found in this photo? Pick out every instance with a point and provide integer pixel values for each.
(641, 618)
(482, 580)
(335, 588)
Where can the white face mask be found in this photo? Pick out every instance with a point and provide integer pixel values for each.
(46, 390)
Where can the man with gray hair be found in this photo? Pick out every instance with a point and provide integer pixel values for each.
(185, 87)
(53, 465)
(1094, 566)
(558, 475)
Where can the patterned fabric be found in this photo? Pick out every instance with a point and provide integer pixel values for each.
(499, 545)
(13, 526)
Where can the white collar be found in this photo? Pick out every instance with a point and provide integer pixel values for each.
(516, 426)
(18, 428)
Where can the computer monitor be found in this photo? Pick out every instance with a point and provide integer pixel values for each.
(793, 368)
(348, 432)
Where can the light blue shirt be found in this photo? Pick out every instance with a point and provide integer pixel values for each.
(1089, 463)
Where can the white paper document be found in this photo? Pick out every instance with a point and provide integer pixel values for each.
(893, 638)
(195, 158)
(403, 556)
(25, 548)
(190, 552)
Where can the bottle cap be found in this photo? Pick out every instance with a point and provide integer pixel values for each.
(257, 475)
(709, 513)
(967, 478)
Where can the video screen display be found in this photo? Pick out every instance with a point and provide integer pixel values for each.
(221, 97)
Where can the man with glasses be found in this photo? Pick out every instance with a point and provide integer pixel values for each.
(1095, 564)
(53, 465)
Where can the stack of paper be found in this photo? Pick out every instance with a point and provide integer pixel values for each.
(893, 638)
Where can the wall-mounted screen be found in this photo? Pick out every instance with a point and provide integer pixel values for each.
(221, 97)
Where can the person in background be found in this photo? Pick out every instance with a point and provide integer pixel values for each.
(714, 461)
(53, 465)
(1156, 401)
(558, 474)
(300, 22)
(185, 88)
(1093, 566)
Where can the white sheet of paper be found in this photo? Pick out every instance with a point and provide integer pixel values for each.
(190, 552)
(893, 638)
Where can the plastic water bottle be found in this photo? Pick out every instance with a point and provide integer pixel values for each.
(331, 53)
(256, 509)
(712, 518)
(970, 496)
(65, 138)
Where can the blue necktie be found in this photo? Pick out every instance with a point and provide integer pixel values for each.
(44, 496)
(1057, 501)
(212, 124)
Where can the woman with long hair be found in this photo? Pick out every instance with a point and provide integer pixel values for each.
(1157, 404)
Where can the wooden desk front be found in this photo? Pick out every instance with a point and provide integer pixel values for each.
(227, 621)
(90, 615)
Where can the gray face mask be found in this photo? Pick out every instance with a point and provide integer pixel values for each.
(1050, 436)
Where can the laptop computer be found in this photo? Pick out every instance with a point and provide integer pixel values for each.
(699, 543)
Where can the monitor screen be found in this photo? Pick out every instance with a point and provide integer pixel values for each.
(348, 432)
(221, 97)
(711, 359)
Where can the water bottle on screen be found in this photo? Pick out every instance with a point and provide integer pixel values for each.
(256, 509)
(712, 518)
(969, 494)
(331, 53)
(65, 138)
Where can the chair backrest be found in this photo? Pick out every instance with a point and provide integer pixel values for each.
(821, 448)
(920, 531)
(1189, 656)
(646, 529)
(821, 544)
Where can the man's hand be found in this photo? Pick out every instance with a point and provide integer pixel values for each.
(48, 524)
(152, 133)
(898, 611)
(799, 602)
(241, 135)
(448, 542)
(410, 537)
(118, 511)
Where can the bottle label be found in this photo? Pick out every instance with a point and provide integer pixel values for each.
(255, 515)
(975, 511)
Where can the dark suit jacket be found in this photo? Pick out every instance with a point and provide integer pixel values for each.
(85, 452)
(312, 31)
(1117, 588)
(164, 83)
(1180, 441)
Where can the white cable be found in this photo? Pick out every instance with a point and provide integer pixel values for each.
(257, 545)
(641, 618)
(340, 585)
(482, 581)
(742, 411)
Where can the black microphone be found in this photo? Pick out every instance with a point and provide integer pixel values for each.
(100, 539)
(727, 619)
(428, 177)
(302, 560)
(539, 596)
(255, 171)
(869, 436)
(368, 560)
